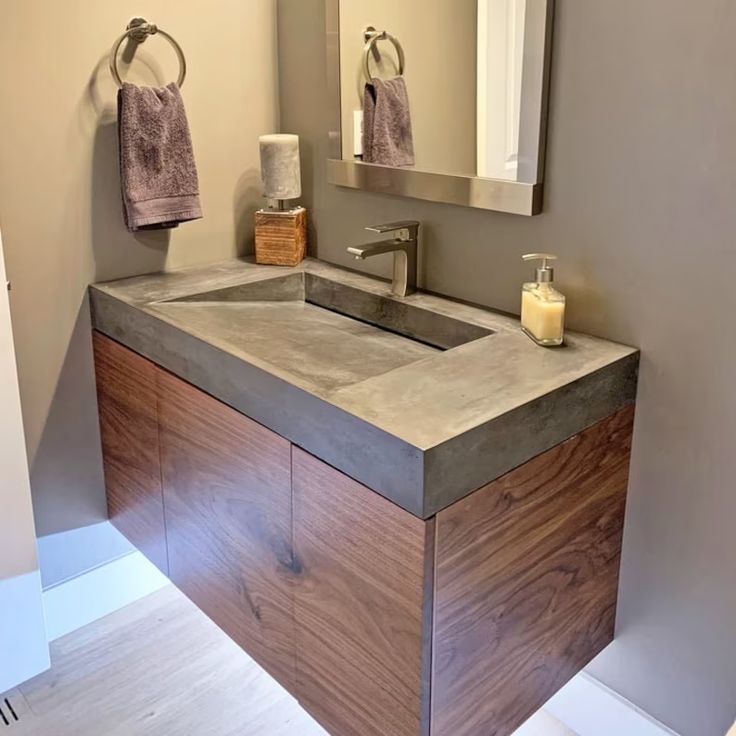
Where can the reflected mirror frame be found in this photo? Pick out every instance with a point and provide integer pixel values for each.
(500, 195)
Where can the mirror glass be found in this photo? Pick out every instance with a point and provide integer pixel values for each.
(453, 88)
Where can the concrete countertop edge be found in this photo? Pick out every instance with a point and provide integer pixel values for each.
(524, 433)
(386, 464)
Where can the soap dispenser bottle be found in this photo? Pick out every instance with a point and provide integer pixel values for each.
(542, 306)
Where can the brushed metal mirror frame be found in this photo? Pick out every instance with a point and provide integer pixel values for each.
(500, 195)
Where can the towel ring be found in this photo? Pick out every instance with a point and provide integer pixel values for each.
(139, 29)
(373, 37)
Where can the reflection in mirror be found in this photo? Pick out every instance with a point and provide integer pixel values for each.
(470, 98)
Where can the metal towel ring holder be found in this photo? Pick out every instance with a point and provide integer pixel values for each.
(372, 37)
(139, 29)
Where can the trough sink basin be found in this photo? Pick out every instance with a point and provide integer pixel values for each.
(323, 334)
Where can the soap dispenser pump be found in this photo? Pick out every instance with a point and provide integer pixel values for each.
(542, 306)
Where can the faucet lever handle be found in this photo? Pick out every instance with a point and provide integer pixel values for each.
(411, 225)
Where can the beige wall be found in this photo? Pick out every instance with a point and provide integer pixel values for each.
(60, 204)
(641, 208)
(440, 42)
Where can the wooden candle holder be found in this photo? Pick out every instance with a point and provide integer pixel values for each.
(281, 237)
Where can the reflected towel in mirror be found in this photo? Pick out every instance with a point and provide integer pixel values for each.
(387, 130)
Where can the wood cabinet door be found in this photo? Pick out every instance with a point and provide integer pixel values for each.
(227, 495)
(362, 606)
(527, 582)
(126, 394)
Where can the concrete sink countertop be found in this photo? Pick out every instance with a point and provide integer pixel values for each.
(445, 399)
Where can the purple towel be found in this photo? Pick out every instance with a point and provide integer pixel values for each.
(158, 175)
(387, 134)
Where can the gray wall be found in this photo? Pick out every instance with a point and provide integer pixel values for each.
(641, 208)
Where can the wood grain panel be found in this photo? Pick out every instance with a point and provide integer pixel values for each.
(126, 394)
(526, 582)
(281, 237)
(227, 494)
(363, 606)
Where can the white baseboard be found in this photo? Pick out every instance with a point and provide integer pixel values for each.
(589, 708)
(96, 593)
(24, 652)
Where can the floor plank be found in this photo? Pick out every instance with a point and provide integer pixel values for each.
(543, 724)
(161, 667)
(157, 667)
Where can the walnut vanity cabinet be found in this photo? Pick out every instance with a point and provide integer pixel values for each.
(126, 397)
(225, 483)
(379, 622)
(227, 495)
(363, 605)
(490, 607)
(526, 581)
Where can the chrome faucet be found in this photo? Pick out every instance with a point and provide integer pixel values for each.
(404, 245)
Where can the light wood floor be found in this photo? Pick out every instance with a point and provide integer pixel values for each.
(160, 667)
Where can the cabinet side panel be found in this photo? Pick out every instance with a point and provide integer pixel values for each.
(362, 605)
(227, 495)
(126, 395)
(527, 582)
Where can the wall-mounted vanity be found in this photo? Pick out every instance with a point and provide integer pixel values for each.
(477, 77)
(402, 508)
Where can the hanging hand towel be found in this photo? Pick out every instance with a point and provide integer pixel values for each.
(387, 135)
(157, 170)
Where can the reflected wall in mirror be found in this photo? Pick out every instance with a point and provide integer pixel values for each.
(449, 96)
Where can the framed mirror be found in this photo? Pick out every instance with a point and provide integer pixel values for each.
(443, 101)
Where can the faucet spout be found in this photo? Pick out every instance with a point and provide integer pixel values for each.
(362, 252)
(405, 248)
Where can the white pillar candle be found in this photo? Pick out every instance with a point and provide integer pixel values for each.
(280, 166)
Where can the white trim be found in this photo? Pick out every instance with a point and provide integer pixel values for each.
(24, 652)
(501, 29)
(99, 592)
(589, 708)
